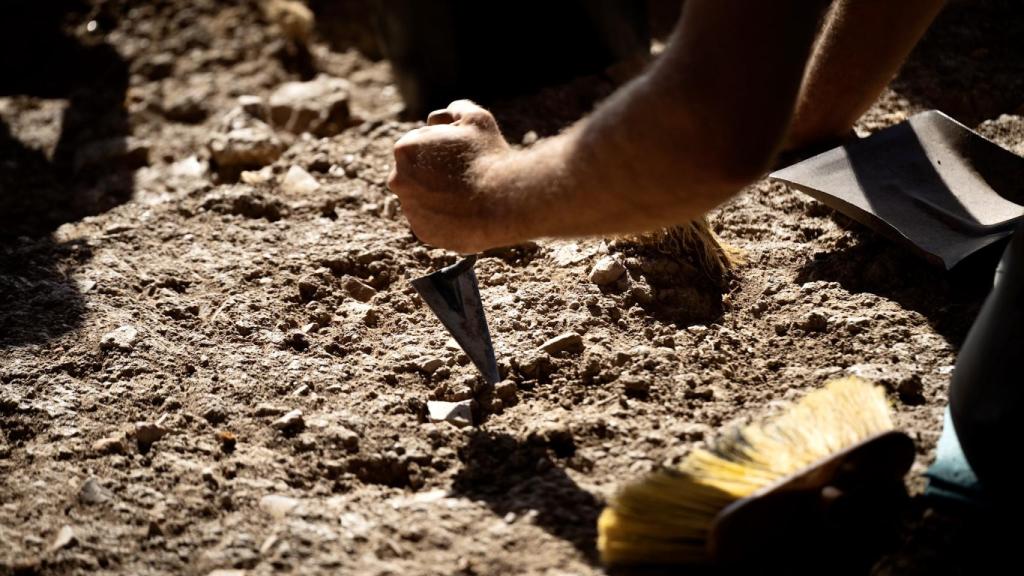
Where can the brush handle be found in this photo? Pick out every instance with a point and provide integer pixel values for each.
(986, 395)
(842, 507)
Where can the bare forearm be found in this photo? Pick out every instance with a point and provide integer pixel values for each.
(860, 49)
(703, 122)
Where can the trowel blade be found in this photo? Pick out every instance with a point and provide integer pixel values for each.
(454, 296)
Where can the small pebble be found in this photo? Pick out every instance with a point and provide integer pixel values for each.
(112, 445)
(92, 493)
(456, 413)
(814, 321)
(297, 181)
(607, 271)
(567, 342)
(278, 506)
(65, 537)
(290, 422)
(123, 338)
(429, 364)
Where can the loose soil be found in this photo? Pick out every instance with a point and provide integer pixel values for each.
(156, 319)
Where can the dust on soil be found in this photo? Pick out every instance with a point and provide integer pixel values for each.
(157, 321)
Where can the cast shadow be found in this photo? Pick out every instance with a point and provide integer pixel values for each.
(909, 190)
(952, 538)
(527, 477)
(872, 264)
(46, 182)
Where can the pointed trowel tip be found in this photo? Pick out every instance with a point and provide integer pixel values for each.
(453, 294)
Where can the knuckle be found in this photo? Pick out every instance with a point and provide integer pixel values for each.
(405, 150)
(463, 103)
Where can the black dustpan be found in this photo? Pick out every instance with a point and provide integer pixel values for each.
(929, 183)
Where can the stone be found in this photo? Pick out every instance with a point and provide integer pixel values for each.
(358, 289)
(265, 409)
(907, 385)
(91, 492)
(112, 445)
(506, 390)
(191, 167)
(123, 338)
(692, 431)
(252, 147)
(635, 385)
(254, 106)
(363, 312)
(187, 106)
(65, 537)
(309, 286)
(704, 393)
(535, 365)
(319, 106)
(567, 342)
(622, 357)
(570, 252)
(278, 506)
(290, 422)
(460, 393)
(814, 321)
(857, 324)
(456, 413)
(297, 340)
(214, 414)
(243, 143)
(297, 181)
(146, 433)
(607, 271)
(429, 364)
(343, 436)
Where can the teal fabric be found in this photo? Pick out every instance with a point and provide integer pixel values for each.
(951, 477)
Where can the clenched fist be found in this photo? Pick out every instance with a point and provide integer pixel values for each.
(441, 177)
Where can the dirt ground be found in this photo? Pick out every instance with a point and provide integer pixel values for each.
(160, 320)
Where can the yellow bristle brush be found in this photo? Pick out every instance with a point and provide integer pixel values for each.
(755, 488)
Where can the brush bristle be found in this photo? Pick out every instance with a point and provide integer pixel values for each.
(695, 241)
(665, 517)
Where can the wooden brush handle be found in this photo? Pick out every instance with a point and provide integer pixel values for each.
(834, 508)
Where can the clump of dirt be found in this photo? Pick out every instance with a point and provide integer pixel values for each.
(204, 370)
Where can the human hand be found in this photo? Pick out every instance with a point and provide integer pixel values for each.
(439, 176)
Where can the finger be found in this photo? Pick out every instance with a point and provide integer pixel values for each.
(393, 180)
(464, 106)
(468, 112)
(405, 150)
(414, 140)
(440, 117)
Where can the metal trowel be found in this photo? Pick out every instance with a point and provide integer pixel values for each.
(454, 296)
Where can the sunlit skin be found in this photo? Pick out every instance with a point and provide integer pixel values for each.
(738, 83)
